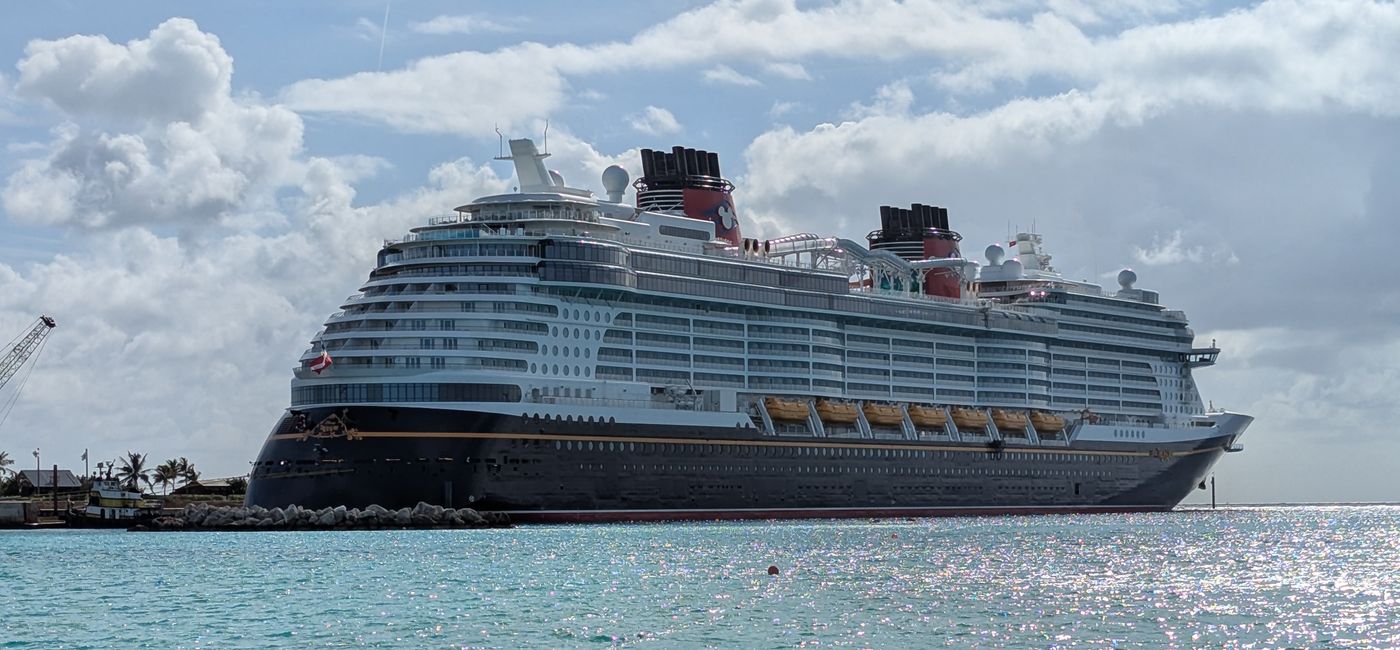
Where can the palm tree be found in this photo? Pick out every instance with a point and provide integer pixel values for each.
(185, 470)
(166, 474)
(133, 472)
(5, 460)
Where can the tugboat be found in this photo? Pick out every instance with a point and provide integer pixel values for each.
(112, 506)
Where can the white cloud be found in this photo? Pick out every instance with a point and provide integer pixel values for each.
(177, 73)
(724, 74)
(893, 99)
(194, 152)
(788, 70)
(1172, 249)
(1282, 54)
(781, 108)
(654, 120)
(458, 24)
(466, 93)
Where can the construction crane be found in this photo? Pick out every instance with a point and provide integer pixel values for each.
(28, 344)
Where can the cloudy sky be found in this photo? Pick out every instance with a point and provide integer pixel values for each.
(191, 194)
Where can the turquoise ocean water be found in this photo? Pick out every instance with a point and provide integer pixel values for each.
(1248, 577)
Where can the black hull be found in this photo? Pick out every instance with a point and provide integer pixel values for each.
(548, 470)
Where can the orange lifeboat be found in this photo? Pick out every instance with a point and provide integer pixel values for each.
(1009, 420)
(785, 410)
(928, 417)
(836, 412)
(969, 418)
(883, 414)
(1047, 422)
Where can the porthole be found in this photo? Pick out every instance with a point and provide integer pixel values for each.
(555, 370)
(566, 350)
(575, 332)
(555, 350)
(532, 367)
(586, 353)
(554, 331)
(587, 316)
(566, 332)
(566, 371)
(587, 372)
(575, 314)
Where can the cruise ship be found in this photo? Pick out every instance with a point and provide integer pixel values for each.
(562, 356)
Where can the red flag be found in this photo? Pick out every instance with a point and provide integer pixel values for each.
(321, 363)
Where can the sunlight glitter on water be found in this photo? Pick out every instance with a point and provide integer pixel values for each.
(1268, 577)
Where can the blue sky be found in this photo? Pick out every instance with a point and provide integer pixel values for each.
(191, 189)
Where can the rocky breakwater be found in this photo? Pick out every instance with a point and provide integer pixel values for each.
(205, 517)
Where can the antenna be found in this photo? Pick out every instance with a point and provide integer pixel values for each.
(546, 137)
(500, 144)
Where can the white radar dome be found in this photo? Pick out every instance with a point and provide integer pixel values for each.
(1126, 278)
(557, 178)
(994, 254)
(615, 182)
(1012, 268)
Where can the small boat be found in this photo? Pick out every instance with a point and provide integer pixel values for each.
(1047, 422)
(969, 418)
(112, 506)
(928, 417)
(1009, 420)
(785, 410)
(836, 412)
(883, 414)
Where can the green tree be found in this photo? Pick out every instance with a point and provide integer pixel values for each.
(186, 470)
(5, 462)
(166, 474)
(133, 471)
(238, 484)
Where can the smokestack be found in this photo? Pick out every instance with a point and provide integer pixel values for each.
(692, 163)
(647, 169)
(885, 218)
(943, 218)
(702, 161)
(714, 164)
(679, 153)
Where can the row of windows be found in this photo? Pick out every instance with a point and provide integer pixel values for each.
(463, 250)
(738, 273)
(586, 252)
(359, 393)
(587, 274)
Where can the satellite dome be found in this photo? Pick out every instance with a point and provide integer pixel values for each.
(994, 254)
(557, 178)
(1126, 278)
(615, 182)
(1011, 267)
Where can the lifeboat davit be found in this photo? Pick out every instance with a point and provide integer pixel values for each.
(969, 418)
(836, 412)
(785, 410)
(1009, 420)
(928, 417)
(883, 414)
(1047, 422)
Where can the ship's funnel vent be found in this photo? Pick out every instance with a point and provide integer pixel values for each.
(687, 182)
(920, 232)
